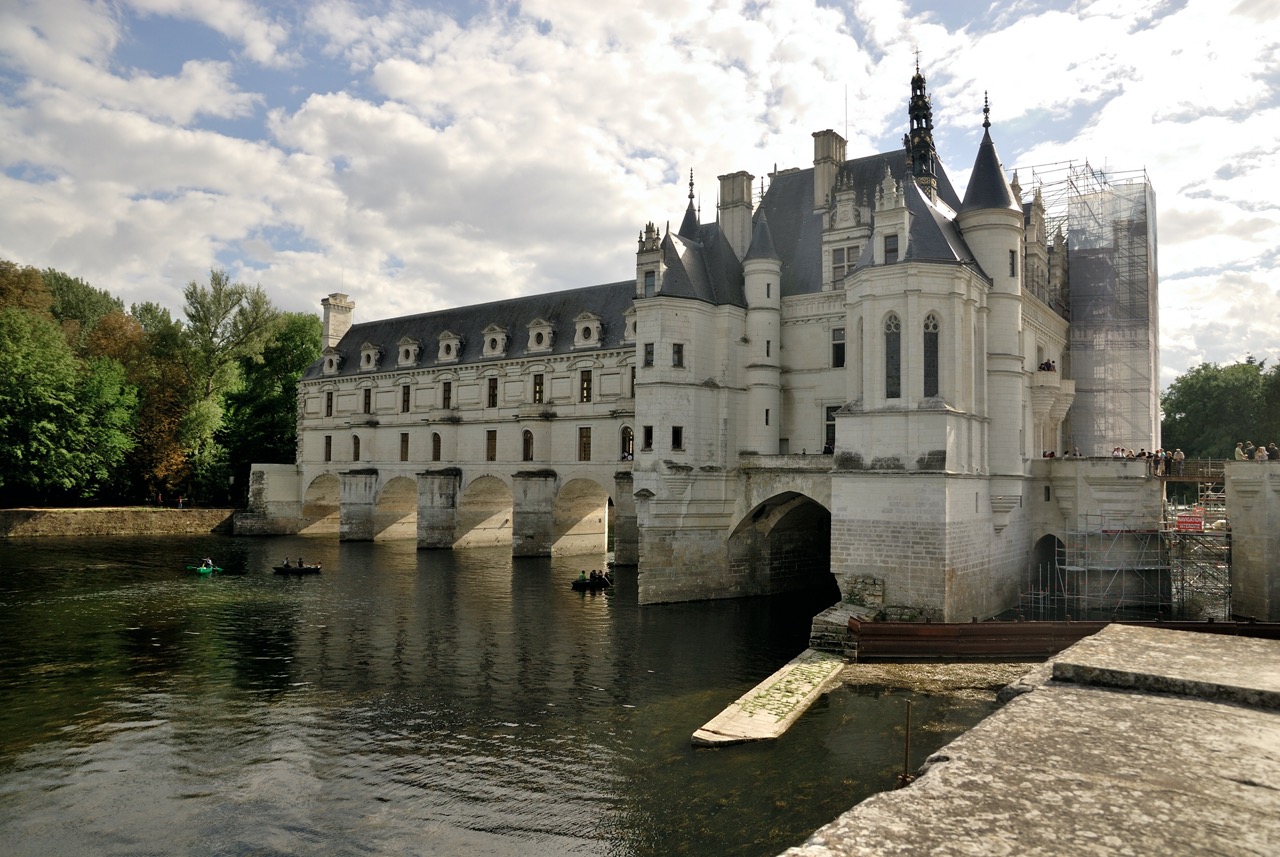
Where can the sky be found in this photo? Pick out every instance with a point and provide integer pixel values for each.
(418, 156)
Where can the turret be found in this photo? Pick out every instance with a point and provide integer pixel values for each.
(338, 315)
(649, 267)
(990, 219)
(922, 157)
(762, 270)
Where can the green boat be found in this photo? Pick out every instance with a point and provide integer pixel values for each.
(203, 569)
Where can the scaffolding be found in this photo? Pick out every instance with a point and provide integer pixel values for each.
(1108, 220)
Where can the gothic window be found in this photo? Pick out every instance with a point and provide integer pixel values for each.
(892, 357)
(526, 453)
(931, 355)
(628, 443)
(355, 447)
(435, 446)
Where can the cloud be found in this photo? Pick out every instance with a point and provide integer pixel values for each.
(261, 38)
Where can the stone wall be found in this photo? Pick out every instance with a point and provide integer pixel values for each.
(114, 521)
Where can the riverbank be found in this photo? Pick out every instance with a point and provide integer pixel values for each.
(1132, 741)
(113, 521)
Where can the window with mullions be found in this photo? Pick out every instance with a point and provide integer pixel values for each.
(837, 347)
(368, 400)
(584, 394)
(493, 392)
(890, 249)
(538, 388)
(491, 445)
(892, 357)
(830, 427)
(404, 398)
(931, 355)
(584, 443)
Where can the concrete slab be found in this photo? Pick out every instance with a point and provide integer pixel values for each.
(768, 709)
(1128, 766)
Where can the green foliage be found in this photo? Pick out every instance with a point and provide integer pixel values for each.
(63, 424)
(77, 305)
(1211, 408)
(261, 424)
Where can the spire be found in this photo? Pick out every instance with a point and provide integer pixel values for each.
(988, 187)
(689, 226)
(761, 241)
(922, 157)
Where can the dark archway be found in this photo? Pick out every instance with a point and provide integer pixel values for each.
(784, 545)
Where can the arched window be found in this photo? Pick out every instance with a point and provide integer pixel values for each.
(355, 447)
(628, 444)
(931, 355)
(892, 357)
(527, 446)
(435, 446)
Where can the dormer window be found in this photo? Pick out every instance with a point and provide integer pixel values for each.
(450, 347)
(587, 330)
(541, 336)
(332, 361)
(495, 341)
(370, 355)
(407, 351)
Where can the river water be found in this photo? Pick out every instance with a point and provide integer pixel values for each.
(404, 702)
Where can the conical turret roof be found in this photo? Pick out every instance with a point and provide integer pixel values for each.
(988, 187)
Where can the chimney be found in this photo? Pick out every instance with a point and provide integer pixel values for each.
(338, 312)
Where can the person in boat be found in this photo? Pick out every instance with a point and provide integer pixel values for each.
(207, 562)
(300, 565)
(582, 575)
(595, 576)
(286, 563)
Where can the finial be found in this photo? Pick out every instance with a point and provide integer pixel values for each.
(986, 110)
(917, 60)
(691, 185)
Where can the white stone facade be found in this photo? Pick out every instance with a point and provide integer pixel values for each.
(840, 379)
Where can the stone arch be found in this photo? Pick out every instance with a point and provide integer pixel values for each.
(1046, 581)
(580, 521)
(484, 514)
(320, 505)
(395, 514)
(783, 545)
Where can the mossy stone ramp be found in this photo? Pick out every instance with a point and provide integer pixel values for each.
(770, 708)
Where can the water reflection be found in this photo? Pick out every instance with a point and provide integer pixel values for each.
(402, 702)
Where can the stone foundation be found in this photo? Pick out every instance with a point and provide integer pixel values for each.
(113, 521)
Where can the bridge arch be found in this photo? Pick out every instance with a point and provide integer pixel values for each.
(580, 522)
(783, 544)
(484, 514)
(396, 509)
(1046, 579)
(320, 505)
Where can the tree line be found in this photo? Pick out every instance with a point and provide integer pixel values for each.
(1212, 407)
(99, 405)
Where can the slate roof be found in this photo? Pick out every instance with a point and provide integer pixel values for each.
(703, 267)
(761, 240)
(933, 234)
(988, 188)
(797, 230)
(610, 302)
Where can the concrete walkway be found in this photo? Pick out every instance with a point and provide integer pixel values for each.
(1134, 741)
(769, 708)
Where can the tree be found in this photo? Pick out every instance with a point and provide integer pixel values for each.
(262, 416)
(62, 423)
(227, 323)
(1211, 408)
(77, 305)
(23, 288)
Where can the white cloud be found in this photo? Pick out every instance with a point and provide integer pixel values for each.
(521, 148)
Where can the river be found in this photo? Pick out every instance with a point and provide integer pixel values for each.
(405, 702)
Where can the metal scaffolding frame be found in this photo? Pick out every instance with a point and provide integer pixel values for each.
(1108, 220)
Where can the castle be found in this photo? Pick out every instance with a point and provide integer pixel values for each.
(854, 377)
